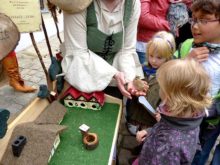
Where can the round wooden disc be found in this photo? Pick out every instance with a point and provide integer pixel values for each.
(9, 35)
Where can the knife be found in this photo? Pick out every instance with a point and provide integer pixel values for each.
(142, 100)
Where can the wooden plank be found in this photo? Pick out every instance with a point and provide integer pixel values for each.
(27, 115)
(111, 99)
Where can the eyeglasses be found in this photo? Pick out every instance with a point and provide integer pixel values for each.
(193, 21)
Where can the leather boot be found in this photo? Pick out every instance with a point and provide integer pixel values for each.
(10, 64)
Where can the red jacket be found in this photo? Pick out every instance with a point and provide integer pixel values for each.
(152, 19)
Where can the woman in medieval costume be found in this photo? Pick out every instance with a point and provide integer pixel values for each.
(99, 50)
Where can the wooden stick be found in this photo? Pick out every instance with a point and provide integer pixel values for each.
(38, 53)
(53, 9)
(49, 83)
(46, 37)
(58, 33)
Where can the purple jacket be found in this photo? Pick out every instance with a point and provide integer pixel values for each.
(172, 141)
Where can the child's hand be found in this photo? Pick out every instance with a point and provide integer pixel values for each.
(200, 54)
(158, 116)
(141, 135)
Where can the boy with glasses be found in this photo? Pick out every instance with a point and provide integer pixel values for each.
(205, 47)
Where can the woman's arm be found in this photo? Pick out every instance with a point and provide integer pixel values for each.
(125, 58)
(84, 69)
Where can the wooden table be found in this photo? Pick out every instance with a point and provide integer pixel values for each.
(71, 150)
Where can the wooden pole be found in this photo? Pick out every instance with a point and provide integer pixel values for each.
(57, 28)
(46, 37)
(49, 83)
(53, 12)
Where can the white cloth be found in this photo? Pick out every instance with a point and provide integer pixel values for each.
(84, 69)
(141, 46)
(212, 66)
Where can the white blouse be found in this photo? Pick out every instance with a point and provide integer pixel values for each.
(212, 66)
(84, 69)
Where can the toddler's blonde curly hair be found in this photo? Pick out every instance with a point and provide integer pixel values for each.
(185, 85)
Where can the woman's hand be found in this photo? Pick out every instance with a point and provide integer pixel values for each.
(141, 135)
(138, 87)
(200, 54)
(120, 79)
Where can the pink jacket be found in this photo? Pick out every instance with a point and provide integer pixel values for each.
(152, 19)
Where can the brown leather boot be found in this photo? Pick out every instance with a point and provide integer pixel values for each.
(10, 64)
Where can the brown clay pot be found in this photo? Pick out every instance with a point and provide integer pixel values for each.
(90, 141)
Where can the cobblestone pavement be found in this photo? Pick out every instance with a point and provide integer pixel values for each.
(32, 72)
(126, 142)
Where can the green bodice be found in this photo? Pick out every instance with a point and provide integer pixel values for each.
(103, 44)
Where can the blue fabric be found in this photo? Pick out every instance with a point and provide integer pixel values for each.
(148, 70)
(142, 57)
(54, 69)
(207, 138)
(128, 115)
(60, 84)
(4, 116)
(43, 92)
(216, 156)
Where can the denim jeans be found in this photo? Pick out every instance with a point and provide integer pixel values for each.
(216, 156)
(208, 139)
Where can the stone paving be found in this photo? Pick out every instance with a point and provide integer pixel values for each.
(32, 73)
(126, 142)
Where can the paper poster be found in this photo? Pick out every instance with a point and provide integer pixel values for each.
(24, 13)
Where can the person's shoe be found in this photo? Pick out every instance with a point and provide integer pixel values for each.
(19, 85)
(132, 129)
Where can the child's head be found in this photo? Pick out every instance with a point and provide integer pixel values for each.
(205, 22)
(184, 86)
(160, 48)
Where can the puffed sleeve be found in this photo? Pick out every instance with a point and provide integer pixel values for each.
(83, 69)
(126, 59)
